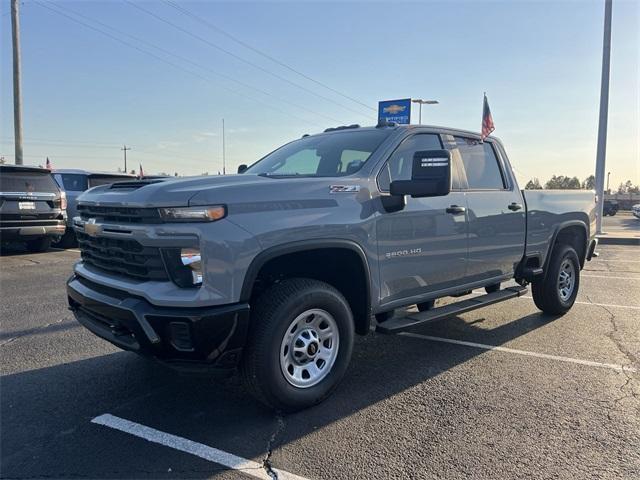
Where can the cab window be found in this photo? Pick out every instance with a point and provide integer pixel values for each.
(478, 162)
(398, 167)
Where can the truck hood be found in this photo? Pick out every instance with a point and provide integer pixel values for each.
(212, 190)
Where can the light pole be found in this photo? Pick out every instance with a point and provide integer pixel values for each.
(17, 96)
(608, 173)
(604, 110)
(423, 102)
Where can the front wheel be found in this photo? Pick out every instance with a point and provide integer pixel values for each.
(299, 345)
(556, 292)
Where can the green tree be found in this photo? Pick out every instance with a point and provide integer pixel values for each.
(533, 184)
(589, 183)
(560, 182)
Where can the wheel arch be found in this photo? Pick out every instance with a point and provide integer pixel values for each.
(355, 284)
(565, 233)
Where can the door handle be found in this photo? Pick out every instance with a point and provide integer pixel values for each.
(455, 209)
(514, 206)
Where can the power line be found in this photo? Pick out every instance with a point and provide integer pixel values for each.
(260, 52)
(130, 45)
(198, 65)
(237, 57)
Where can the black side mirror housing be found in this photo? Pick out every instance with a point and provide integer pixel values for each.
(430, 175)
(242, 168)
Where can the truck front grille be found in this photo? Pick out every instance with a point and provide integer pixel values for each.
(122, 256)
(119, 214)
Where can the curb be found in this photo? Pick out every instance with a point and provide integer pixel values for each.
(619, 240)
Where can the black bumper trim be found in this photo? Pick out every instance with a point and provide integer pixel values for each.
(217, 334)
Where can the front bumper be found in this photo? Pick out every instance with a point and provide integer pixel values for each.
(30, 230)
(207, 339)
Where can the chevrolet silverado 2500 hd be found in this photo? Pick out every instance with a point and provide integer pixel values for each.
(274, 270)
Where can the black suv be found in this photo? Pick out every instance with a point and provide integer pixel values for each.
(32, 207)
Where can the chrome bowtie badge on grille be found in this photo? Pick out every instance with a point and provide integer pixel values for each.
(91, 228)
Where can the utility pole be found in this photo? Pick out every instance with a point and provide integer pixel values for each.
(124, 149)
(604, 111)
(224, 168)
(423, 102)
(608, 175)
(17, 96)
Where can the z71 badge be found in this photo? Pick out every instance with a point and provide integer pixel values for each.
(344, 188)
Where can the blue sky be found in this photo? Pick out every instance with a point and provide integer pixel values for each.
(85, 93)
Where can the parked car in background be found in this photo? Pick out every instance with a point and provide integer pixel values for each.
(610, 207)
(32, 207)
(74, 182)
(636, 210)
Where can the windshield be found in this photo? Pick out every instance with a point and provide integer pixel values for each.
(333, 155)
(72, 182)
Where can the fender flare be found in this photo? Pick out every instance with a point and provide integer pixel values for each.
(301, 246)
(554, 237)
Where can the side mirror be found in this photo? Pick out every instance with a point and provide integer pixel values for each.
(430, 175)
(242, 168)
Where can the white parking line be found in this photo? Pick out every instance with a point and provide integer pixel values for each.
(612, 366)
(632, 307)
(618, 261)
(605, 276)
(249, 467)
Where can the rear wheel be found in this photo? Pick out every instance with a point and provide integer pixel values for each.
(41, 244)
(556, 292)
(299, 345)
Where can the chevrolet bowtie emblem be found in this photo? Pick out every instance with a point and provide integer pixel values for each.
(91, 228)
(393, 109)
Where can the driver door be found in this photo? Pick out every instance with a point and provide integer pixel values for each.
(423, 247)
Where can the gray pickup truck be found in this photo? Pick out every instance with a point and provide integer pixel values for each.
(274, 270)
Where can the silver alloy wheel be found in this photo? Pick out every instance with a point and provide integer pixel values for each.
(309, 348)
(566, 279)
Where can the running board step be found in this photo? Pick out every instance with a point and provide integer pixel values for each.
(400, 324)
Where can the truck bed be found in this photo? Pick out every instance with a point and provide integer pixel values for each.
(548, 210)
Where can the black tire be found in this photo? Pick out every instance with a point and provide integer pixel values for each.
(424, 306)
(492, 288)
(546, 292)
(41, 244)
(68, 240)
(271, 317)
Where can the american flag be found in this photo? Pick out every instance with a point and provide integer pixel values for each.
(48, 165)
(487, 120)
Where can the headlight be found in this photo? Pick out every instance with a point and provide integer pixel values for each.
(193, 214)
(184, 266)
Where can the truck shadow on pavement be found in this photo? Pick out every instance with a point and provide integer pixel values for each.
(46, 413)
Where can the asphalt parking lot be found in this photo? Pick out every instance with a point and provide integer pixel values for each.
(555, 398)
